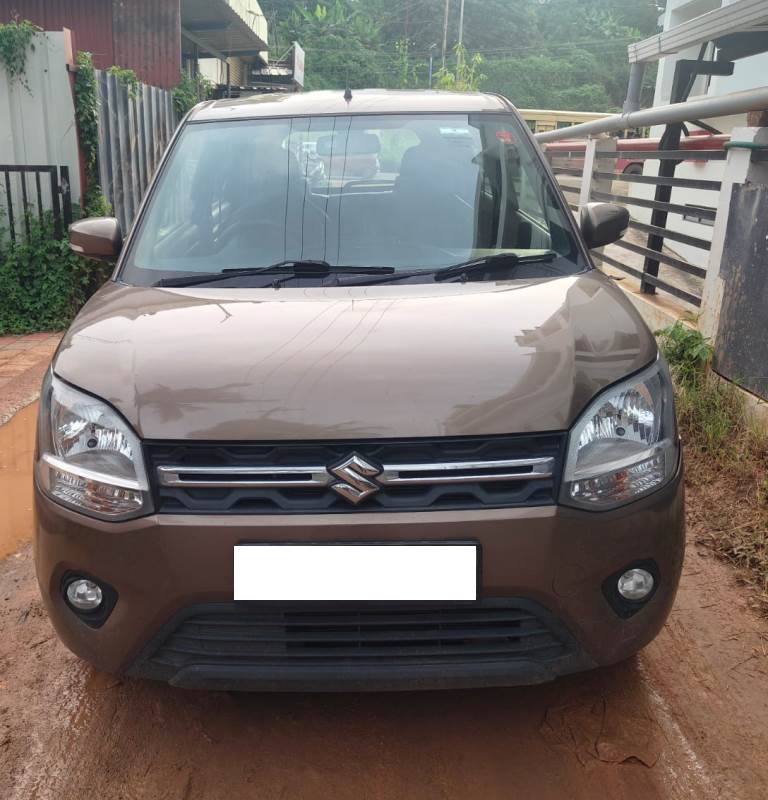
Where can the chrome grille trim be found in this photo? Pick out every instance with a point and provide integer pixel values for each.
(520, 469)
(525, 469)
(299, 476)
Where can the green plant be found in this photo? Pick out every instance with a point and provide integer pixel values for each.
(686, 349)
(407, 71)
(726, 456)
(710, 410)
(94, 203)
(42, 282)
(190, 91)
(466, 77)
(127, 78)
(16, 40)
(711, 413)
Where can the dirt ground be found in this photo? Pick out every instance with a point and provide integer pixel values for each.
(687, 718)
(23, 362)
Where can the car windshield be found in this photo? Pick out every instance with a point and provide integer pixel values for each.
(408, 192)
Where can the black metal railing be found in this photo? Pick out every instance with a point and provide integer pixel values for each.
(682, 279)
(33, 191)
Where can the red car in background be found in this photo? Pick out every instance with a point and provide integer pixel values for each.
(631, 165)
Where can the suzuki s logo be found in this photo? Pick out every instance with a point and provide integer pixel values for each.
(354, 474)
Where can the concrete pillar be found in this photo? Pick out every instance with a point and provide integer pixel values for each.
(739, 169)
(596, 147)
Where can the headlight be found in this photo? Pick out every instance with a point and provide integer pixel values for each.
(89, 458)
(624, 445)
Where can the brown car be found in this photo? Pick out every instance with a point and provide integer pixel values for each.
(335, 434)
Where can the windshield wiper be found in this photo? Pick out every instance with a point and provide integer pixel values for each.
(464, 268)
(293, 267)
(508, 260)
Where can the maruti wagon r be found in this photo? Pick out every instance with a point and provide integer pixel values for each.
(356, 411)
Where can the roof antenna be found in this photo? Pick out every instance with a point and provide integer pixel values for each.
(347, 94)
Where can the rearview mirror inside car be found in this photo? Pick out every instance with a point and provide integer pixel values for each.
(96, 237)
(356, 143)
(603, 223)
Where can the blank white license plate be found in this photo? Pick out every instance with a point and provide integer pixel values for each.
(356, 572)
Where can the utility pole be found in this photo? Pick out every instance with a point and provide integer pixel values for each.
(461, 22)
(407, 23)
(445, 29)
(431, 72)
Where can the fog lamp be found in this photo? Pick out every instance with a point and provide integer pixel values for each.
(635, 584)
(84, 595)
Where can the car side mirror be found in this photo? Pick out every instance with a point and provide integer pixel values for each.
(603, 223)
(96, 237)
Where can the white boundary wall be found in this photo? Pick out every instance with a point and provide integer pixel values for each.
(37, 115)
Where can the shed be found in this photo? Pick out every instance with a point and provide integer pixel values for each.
(146, 35)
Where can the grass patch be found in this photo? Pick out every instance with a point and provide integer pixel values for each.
(726, 460)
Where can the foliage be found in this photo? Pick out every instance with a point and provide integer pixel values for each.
(407, 77)
(543, 81)
(127, 78)
(686, 349)
(87, 117)
(568, 54)
(466, 77)
(710, 410)
(711, 413)
(343, 45)
(16, 40)
(726, 459)
(189, 92)
(42, 282)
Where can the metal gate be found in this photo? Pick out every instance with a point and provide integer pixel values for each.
(30, 191)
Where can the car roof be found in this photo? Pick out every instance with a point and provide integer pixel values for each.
(363, 101)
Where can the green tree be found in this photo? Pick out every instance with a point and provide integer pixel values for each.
(565, 54)
(342, 44)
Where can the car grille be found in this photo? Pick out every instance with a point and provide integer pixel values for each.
(372, 475)
(229, 634)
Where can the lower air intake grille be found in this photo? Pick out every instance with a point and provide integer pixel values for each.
(228, 634)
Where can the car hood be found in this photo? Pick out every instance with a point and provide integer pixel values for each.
(354, 362)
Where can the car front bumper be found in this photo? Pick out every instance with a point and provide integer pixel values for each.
(550, 560)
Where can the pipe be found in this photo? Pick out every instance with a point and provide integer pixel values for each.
(636, 71)
(722, 106)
